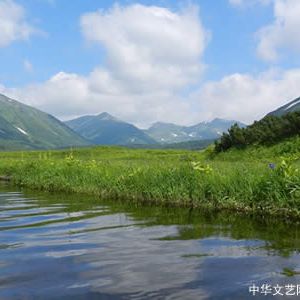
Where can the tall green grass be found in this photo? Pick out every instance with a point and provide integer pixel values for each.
(238, 179)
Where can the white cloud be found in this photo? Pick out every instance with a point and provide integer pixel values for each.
(148, 47)
(13, 25)
(283, 33)
(152, 53)
(245, 97)
(69, 95)
(241, 97)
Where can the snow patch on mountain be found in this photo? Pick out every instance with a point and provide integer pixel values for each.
(292, 104)
(22, 130)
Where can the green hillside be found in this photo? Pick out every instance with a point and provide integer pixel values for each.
(24, 127)
(269, 130)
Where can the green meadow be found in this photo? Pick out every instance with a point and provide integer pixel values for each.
(257, 179)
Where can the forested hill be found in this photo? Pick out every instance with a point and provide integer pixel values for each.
(271, 129)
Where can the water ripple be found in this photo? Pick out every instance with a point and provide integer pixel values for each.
(67, 247)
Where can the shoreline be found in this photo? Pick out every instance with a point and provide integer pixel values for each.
(237, 181)
(5, 178)
(286, 214)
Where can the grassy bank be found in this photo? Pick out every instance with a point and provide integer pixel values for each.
(238, 179)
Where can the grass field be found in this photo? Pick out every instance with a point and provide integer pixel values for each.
(238, 179)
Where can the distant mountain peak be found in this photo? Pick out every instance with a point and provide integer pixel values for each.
(215, 120)
(104, 129)
(162, 124)
(105, 116)
(172, 133)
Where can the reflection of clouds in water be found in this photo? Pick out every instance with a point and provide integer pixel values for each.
(99, 252)
(129, 259)
(77, 286)
(64, 231)
(132, 261)
(66, 253)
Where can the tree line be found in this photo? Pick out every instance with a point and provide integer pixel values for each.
(269, 130)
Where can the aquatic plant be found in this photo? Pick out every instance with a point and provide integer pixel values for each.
(237, 179)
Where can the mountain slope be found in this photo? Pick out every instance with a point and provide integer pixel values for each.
(287, 108)
(267, 131)
(104, 129)
(171, 133)
(24, 127)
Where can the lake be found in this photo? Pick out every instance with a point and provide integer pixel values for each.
(55, 246)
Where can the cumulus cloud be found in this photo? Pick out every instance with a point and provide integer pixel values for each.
(13, 24)
(148, 47)
(69, 95)
(238, 96)
(246, 97)
(151, 54)
(283, 33)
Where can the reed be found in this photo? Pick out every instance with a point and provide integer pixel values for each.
(258, 179)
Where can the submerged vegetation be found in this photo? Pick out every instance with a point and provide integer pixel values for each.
(261, 179)
(289, 272)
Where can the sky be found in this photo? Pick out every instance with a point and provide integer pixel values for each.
(146, 61)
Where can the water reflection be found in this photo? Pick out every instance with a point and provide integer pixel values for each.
(59, 246)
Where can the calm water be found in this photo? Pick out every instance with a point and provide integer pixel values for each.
(62, 247)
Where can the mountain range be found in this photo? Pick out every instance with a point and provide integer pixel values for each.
(24, 127)
(171, 133)
(105, 129)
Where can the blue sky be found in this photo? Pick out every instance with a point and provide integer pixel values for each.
(62, 46)
(247, 58)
